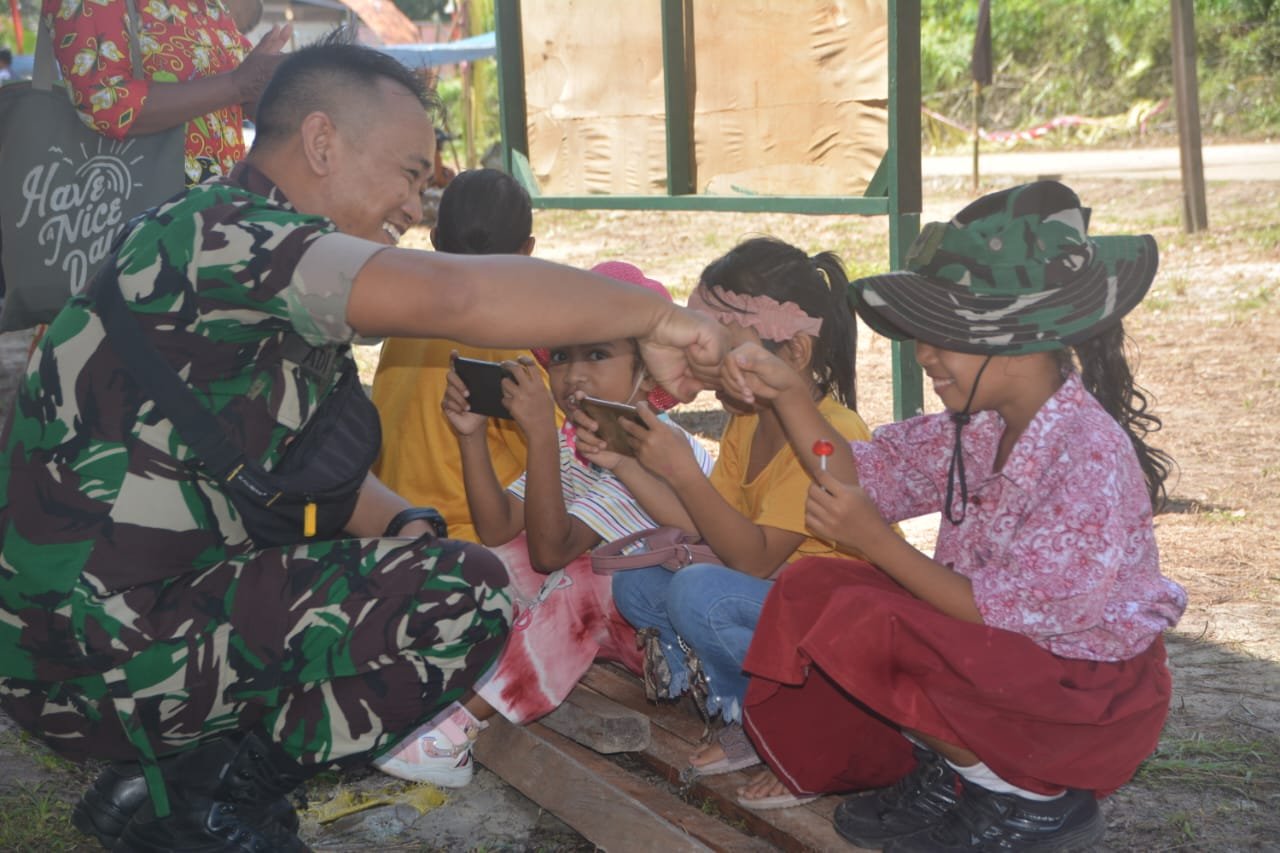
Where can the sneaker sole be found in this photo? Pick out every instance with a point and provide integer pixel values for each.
(451, 777)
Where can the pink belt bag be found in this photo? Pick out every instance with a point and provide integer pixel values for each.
(669, 547)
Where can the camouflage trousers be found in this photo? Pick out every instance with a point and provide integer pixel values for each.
(335, 649)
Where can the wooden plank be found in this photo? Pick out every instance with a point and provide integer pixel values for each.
(625, 689)
(599, 723)
(803, 828)
(674, 735)
(610, 807)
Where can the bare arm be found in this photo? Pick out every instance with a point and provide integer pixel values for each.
(750, 548)
(170, 104)
(497, 514)
(647, 487)
(845, 514)
(513, 301)
(555, 537)
(746, 546)
(751, 371)
(654, 496)
(376, 505)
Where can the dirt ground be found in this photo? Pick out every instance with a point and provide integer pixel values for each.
(1208, 345)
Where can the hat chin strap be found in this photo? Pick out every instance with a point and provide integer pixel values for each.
(955, 471)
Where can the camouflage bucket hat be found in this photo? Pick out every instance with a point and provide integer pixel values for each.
(1014, 272)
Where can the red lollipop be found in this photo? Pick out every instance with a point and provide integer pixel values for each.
(823, 449)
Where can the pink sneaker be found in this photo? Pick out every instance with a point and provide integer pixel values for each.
(439, 755)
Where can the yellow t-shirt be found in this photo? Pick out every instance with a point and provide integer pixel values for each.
(776, 497)
(420, 459)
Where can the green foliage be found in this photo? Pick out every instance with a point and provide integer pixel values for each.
(1102, 59)
(424, 10)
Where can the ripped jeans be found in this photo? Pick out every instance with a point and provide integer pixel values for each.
(714, 609)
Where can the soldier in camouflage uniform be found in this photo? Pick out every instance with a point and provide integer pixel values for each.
(138, 622)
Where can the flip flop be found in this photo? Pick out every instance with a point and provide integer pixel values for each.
(739, 754)
(777, 801)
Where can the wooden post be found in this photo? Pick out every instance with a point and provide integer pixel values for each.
(977, 119)
(905, 185)
(1186, 90)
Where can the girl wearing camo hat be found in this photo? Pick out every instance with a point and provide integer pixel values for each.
(991, 693)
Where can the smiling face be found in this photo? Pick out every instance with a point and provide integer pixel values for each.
(381, 160)
(608, 371)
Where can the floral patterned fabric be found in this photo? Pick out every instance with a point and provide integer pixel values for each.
(180, 40)
(1059, 544)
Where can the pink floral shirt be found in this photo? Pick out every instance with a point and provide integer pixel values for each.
(1059, 545)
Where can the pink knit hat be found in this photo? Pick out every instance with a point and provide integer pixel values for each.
(658, 399)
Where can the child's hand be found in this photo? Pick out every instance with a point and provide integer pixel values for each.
(751, 372)
(592, 447)
(844, 514)
(661, 448)
(457, 410)
(526, 397)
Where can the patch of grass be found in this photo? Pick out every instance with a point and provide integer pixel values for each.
(1223, 516)
(1184, 826)
(1266, 237)
(1257, 300)
(37, 820)
(1245, 768)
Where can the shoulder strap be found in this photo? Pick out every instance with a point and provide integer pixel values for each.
(661, 544)
(196, 424)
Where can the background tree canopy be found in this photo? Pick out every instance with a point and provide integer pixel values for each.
(1102, 58)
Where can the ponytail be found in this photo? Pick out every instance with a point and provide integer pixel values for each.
(835, 356)
(1105, 373)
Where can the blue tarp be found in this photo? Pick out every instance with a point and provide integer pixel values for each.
(443, 53)
(21, 66)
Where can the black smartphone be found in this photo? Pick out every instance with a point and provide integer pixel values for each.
(610, 415)
(484, 382)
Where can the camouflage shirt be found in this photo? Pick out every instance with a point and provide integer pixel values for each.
(100, 493)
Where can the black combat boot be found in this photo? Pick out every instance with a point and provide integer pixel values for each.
(224, 797)
(120, 790)
(108, 804)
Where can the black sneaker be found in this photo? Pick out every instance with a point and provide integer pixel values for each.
(916, 802)
(991, 822)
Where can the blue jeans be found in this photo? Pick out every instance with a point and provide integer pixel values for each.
(714, 609)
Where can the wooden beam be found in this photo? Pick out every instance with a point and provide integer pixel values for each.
(609, 806)
(674, 734)
(1186, 90)
(598, 723)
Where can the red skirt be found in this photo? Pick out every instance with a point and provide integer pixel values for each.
(843, 659)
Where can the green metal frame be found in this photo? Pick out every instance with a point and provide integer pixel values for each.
(894, 191)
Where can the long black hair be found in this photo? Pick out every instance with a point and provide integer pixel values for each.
(1106, 374)
(766, 266)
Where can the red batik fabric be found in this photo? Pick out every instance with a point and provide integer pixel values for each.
(181, 40)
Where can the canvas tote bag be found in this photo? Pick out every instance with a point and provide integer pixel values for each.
(67, 191)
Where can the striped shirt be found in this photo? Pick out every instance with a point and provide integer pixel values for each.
(598, 499)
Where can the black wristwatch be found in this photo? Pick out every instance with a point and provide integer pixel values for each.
(418, 513)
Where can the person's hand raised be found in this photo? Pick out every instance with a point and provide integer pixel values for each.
(684, 352)
(457, 410)
(526, 396)
(753, 373)
(253, 74)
